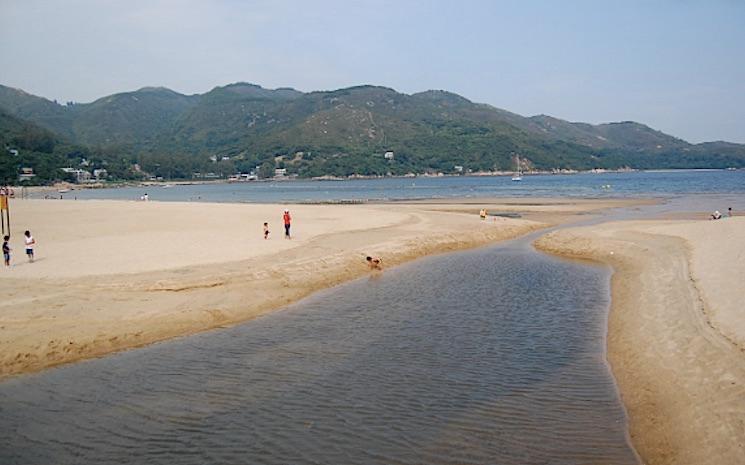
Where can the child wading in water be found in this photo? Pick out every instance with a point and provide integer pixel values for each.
(30, 241)
(374, 263)
(266, 230)
(6, 250)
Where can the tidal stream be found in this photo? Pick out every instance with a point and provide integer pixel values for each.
(490, 356)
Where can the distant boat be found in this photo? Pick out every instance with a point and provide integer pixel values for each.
(519, 173)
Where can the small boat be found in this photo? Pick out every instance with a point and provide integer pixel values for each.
(518, 174)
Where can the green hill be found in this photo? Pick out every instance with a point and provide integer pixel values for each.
(139, 118)
(347, 131)
(45, 113)
(626, 135)
(24, 144)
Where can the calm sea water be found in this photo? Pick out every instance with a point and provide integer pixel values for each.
(634, 184)
(489, 356)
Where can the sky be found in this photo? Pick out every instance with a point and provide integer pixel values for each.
(675, 65)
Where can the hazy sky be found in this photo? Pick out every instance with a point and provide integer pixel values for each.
(676, 65)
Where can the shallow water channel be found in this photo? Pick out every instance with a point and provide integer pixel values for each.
(490, 356)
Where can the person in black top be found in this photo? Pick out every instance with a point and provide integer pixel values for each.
(6, 250)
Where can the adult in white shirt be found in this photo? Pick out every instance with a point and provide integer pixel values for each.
(30, 242)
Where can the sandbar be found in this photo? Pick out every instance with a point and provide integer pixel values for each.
(113, 275)
(676, 336)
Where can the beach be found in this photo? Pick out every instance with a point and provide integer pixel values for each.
(112, 275)
(676, 336)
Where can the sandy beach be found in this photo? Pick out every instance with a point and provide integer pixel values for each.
(112, 275)
(676, 340)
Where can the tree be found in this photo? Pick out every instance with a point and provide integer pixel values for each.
(8, 168)
(266, 170)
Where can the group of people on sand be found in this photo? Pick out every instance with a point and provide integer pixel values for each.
(29, 241)
(374, 263)
(286, 219)
(718, 216)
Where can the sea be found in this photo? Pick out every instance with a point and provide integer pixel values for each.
(659, 184)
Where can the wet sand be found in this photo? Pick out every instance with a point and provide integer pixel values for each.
(112, 275)
(676, 340)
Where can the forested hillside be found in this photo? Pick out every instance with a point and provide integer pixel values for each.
(347, 131)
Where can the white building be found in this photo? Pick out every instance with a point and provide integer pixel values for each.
(27, 174)
(388, 155)
(280, 172)
(80, 175)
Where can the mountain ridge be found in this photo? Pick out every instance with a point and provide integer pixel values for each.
(346, 131)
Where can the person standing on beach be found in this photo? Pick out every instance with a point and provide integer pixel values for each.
(6, 250)
(30, 241)
(287, 219)
(266, 230)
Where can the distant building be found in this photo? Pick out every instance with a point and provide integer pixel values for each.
(280, 172)
(388, 155)
(242, 177)
(213, 158)
(100, 174)
(458, 168)
(79, 175)
(13, 152)
(224, 158)
(27, 174)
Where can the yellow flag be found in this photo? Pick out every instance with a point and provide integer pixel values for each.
(3, 202)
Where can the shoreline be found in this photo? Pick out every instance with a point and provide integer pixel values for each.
(103, 184)
(677, 367)
(118, 276)
(204, 318)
